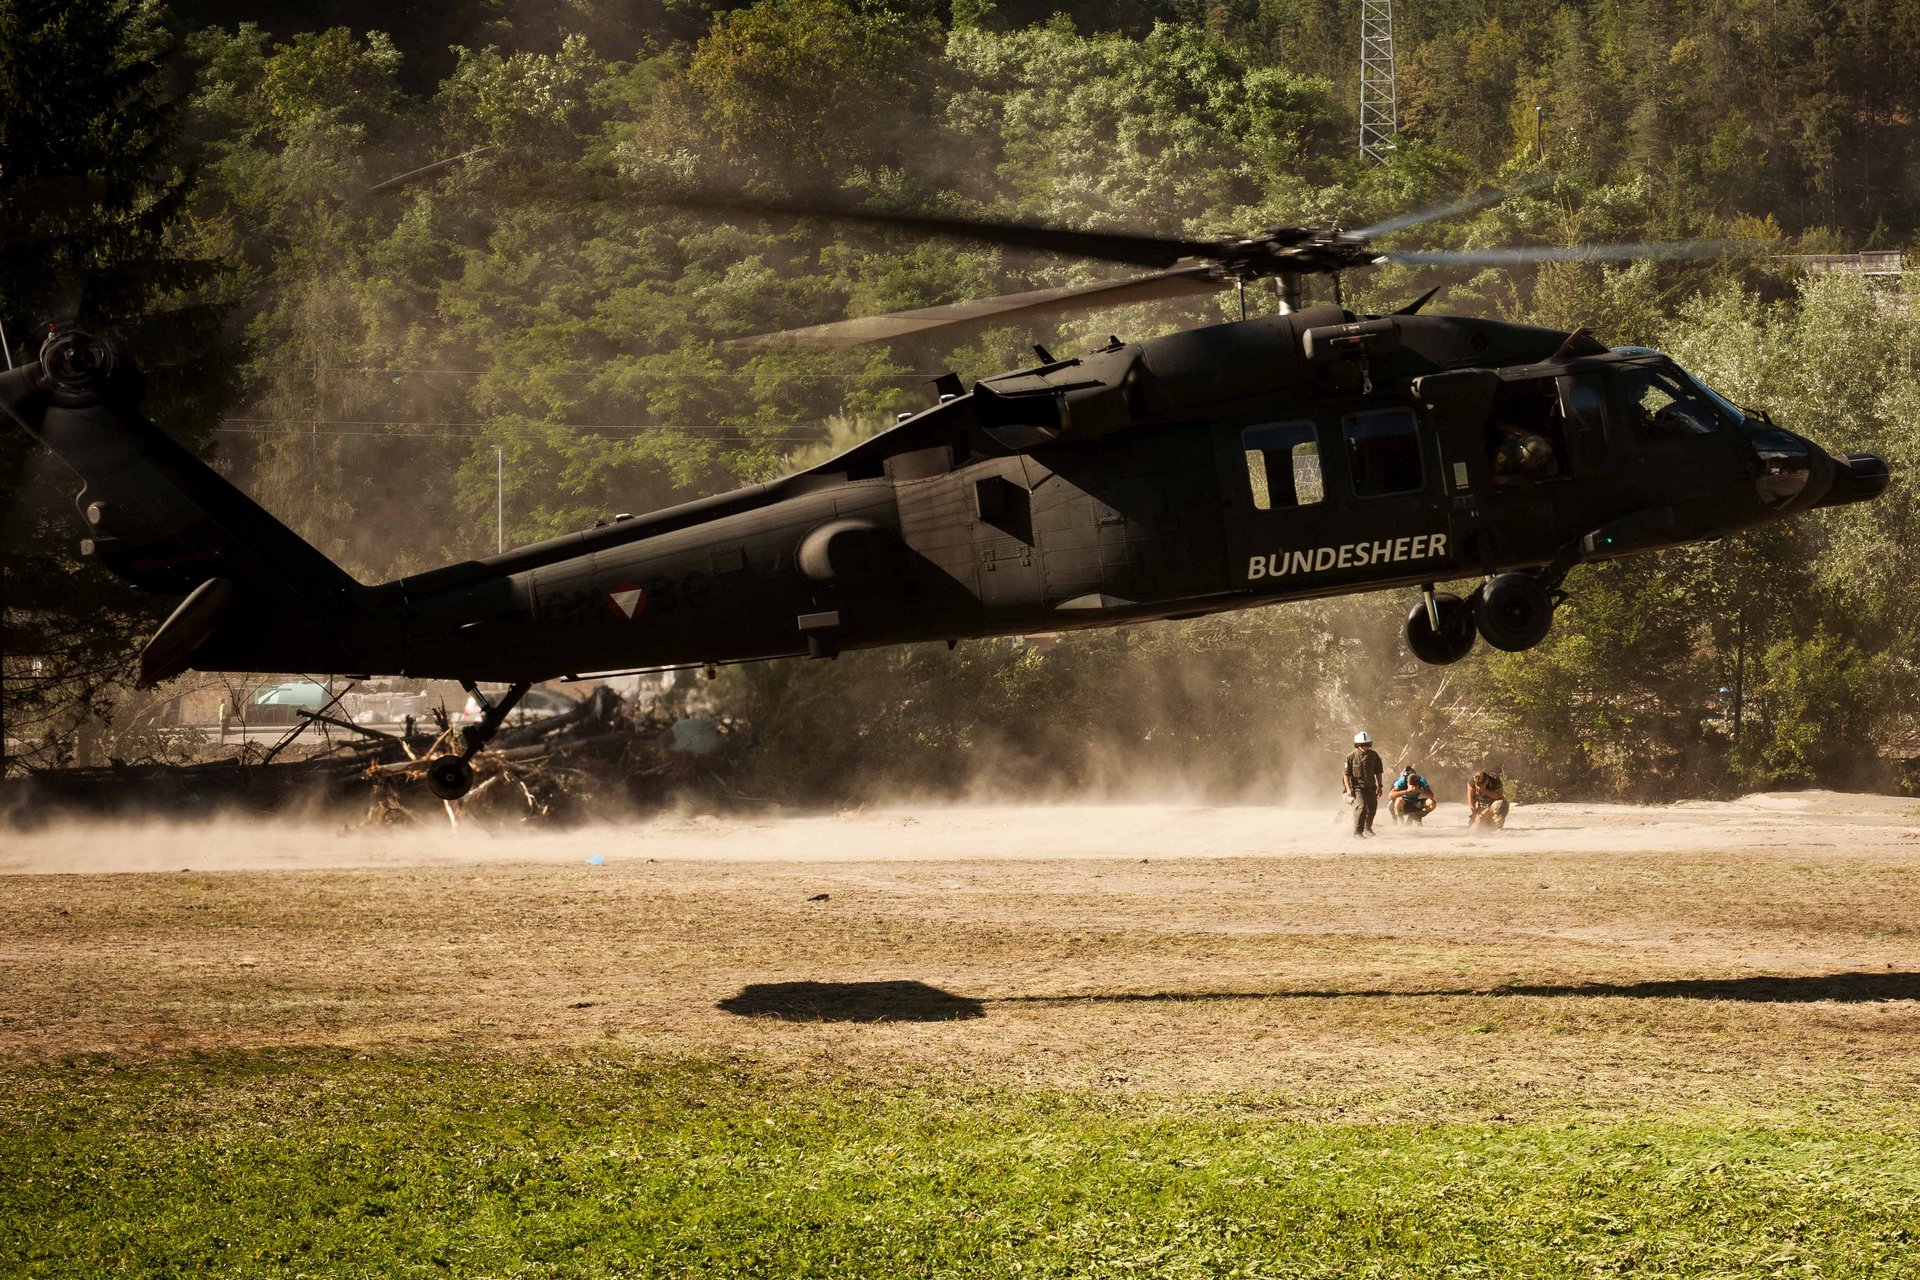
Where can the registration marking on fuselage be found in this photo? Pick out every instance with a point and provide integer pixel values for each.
(1348, 555)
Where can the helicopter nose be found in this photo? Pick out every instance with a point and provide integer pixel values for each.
(1858, 477)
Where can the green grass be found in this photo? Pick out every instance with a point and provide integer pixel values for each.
(320, 1164)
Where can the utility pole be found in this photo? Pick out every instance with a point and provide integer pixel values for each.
(6, 349)
(1379, 97)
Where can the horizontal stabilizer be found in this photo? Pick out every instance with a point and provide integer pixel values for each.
(172, 648)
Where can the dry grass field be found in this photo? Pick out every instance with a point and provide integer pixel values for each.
(1693, 977)
(1764, 953)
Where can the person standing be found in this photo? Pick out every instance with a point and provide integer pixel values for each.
(1362, 782)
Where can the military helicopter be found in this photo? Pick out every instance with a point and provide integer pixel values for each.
(1308, 452)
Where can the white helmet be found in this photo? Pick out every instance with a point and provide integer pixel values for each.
(1363, 739)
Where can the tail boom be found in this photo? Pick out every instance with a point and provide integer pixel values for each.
(168, 524)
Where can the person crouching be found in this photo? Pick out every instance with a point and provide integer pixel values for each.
(1486, 800)
(1411, 797)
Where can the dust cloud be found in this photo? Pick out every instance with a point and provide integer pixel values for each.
(966, 832)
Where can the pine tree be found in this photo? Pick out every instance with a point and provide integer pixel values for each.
(91, 204)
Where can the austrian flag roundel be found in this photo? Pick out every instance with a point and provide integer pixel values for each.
(627, 600)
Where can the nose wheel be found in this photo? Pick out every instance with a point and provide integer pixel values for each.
(451, 777)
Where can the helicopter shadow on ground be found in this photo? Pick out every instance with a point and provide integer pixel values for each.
(1847, 988)
(902, 1001)
(908, 1001)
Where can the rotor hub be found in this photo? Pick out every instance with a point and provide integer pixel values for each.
(76, 362)
(1292, 251)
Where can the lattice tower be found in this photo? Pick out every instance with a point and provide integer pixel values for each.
(1379, 99)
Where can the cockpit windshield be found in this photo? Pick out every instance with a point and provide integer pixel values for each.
(1734, 412)
(1672, 401)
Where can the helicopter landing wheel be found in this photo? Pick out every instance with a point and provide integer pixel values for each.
(1514, 611)
(450, 777)
(1451, 641)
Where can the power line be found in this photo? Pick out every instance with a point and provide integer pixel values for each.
(796, 374)
(260, 432)
(383, 435)
(288, 426)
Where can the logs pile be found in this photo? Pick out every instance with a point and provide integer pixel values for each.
(600, 757)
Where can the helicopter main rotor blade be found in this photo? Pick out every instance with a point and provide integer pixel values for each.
(1434, 213)
(1181, 282)
(1671, 251)
(1110, 246)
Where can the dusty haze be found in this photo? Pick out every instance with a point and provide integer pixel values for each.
(959, 832)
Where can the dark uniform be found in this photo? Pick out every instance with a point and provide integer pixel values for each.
(1364, 772)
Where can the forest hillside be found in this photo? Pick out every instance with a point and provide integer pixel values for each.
(367, 358)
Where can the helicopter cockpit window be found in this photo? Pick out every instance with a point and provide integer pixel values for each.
(1584, 403)
(1786, 464)
(1383, 452)
(1663, 406)
(1283, 465)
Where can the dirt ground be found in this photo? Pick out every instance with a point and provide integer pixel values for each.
(1761, 955)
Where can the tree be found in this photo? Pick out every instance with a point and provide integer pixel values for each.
(91, 202)
(532, 300)
(800, 88)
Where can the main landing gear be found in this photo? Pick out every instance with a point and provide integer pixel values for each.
(451, 777)
(1514, 611)
(1510, 611)
(1440, 628)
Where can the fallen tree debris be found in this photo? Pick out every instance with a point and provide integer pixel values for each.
(601, 757)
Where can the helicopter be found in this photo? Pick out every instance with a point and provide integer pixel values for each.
(1304, 453)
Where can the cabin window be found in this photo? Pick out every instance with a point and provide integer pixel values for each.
(1283, 465)
(1664, 408)
(1526, 434)
(1383, 452)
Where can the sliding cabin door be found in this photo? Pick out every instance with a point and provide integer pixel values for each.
(1344, 494)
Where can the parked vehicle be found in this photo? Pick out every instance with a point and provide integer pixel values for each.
(281, 703)
(537, 704)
